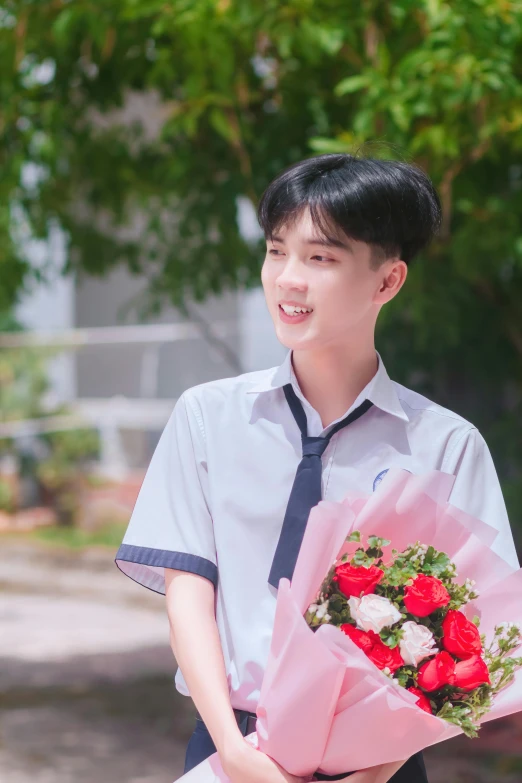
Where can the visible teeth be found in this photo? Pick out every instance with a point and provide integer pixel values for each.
(290, 310)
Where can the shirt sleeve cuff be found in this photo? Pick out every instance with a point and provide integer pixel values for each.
(145, 565)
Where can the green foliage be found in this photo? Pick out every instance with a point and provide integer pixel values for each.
(23, 381)
(61, 472)
(107, 535)
(236, 92)
(23, 384)
(7, 500)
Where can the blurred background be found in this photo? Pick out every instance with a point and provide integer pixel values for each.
(135, 140)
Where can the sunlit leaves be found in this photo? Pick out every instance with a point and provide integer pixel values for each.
(150, 118)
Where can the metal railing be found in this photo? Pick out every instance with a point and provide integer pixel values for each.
(112, 415)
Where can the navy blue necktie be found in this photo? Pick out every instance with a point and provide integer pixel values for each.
(306, 490)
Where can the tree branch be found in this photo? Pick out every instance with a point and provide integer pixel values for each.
(446, 185)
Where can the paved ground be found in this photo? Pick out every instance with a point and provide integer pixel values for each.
(86, 673)
(86, 682)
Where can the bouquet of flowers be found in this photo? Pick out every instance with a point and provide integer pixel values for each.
(407, 616)
(410, 644)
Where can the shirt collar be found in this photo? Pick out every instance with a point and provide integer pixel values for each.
(380, 390)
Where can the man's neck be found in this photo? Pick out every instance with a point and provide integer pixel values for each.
(331, 381)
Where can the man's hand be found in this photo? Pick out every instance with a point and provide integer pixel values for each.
(246, 764)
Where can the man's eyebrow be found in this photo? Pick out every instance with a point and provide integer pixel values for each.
(322, 241)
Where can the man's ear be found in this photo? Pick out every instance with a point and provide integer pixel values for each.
(394, 272)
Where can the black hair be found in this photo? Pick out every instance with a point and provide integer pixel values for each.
(390, 205)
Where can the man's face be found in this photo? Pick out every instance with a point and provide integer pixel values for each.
(337, 283)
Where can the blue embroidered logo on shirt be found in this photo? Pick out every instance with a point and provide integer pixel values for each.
(379, 478)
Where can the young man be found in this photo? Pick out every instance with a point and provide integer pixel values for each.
(207, 529)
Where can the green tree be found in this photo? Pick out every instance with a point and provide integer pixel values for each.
(243, 89)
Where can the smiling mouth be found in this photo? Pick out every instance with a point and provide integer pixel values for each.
(292, 312)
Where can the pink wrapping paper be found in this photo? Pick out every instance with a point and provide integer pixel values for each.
(323, 704)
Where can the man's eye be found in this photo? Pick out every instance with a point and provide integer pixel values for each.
(326, 259)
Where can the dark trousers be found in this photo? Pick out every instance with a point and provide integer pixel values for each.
(201, 746)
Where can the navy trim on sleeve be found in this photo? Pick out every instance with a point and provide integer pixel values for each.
(134, 562)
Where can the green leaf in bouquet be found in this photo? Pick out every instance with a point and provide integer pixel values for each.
(430, 554)
(360, 558)
(391, 636)
(440, 562)
(355, 536)
(336, 603)
(461, 716)
(402, 678)
(376, 542)
(388, 639)
(406, 676)
(456, 602)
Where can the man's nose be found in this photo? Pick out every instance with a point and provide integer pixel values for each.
(292, 275)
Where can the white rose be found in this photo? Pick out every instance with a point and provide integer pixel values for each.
(373, 612)
(417, 643)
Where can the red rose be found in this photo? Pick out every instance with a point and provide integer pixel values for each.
(357, 580)
(373, 646)
(437, 672)
(460, 636)
(471, 673)
(423, 702)
(383, 656)
(425, 595)
(360, 638)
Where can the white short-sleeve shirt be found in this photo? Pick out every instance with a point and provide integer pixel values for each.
(216, 490)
